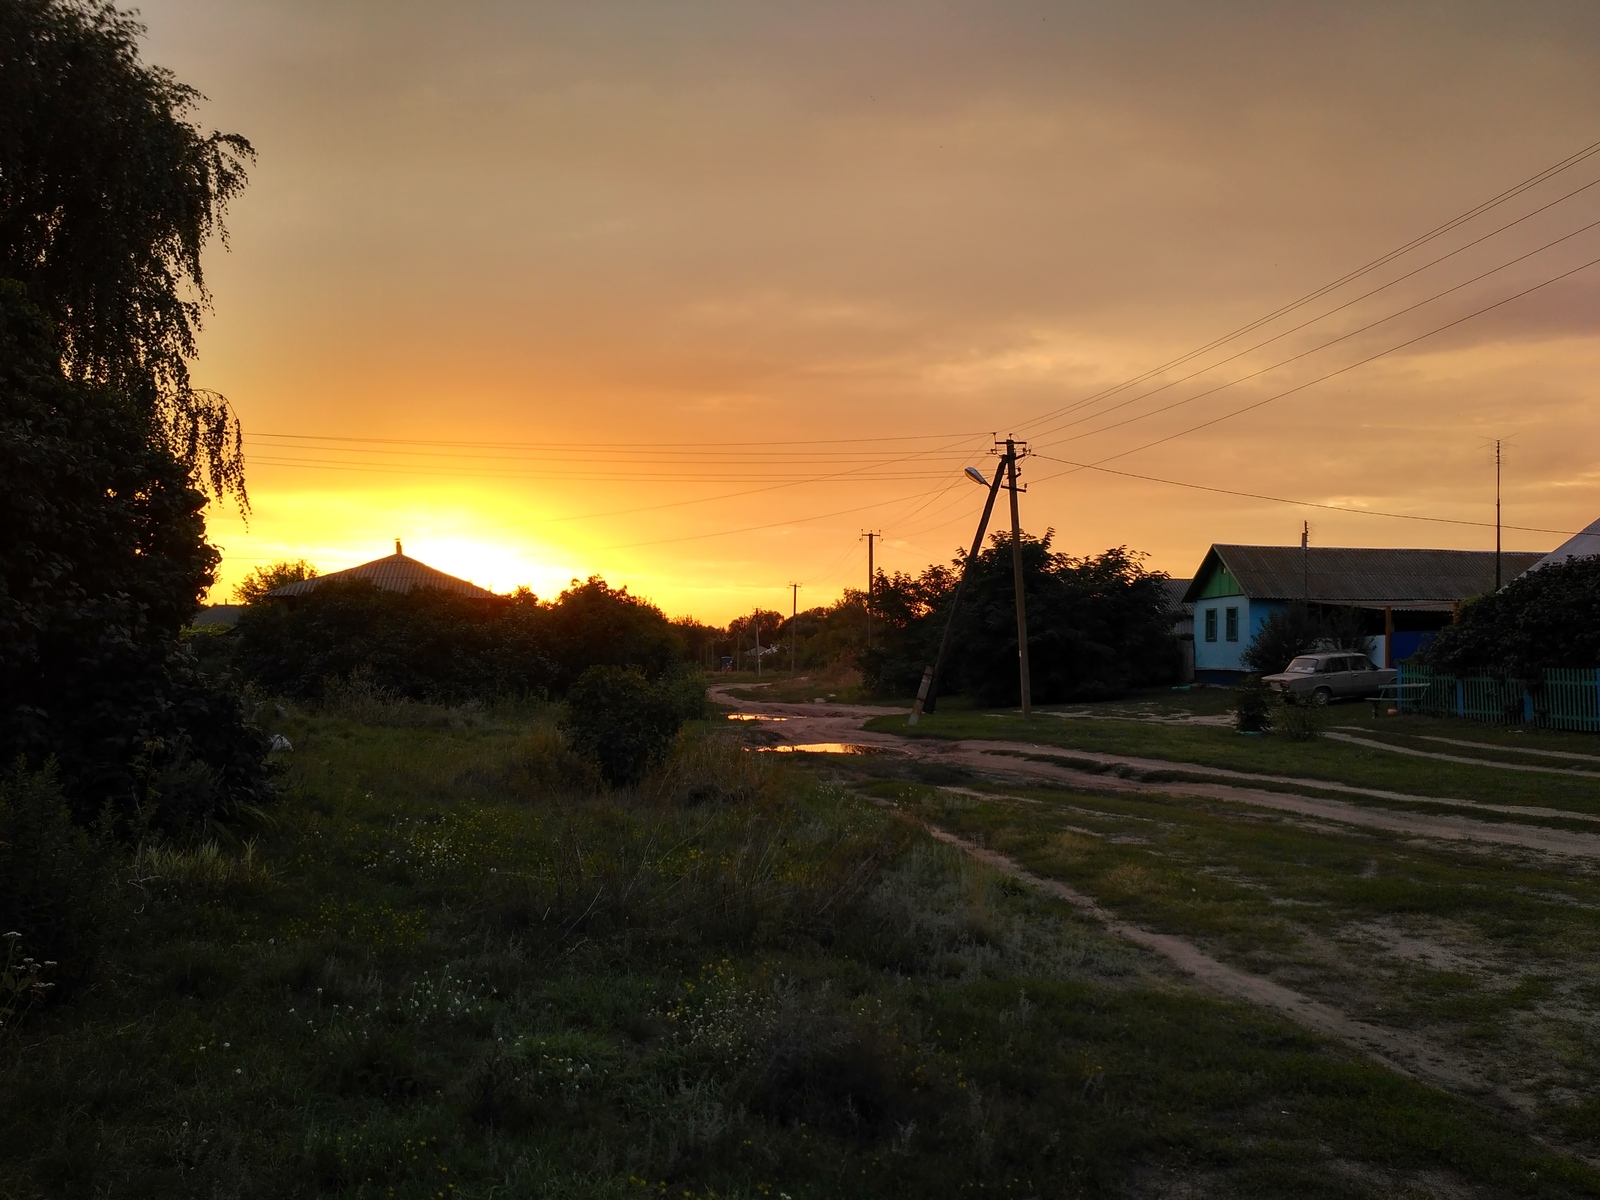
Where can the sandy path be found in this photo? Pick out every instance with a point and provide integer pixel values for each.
(823, 723)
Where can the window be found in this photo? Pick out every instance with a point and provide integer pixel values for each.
(1233, 624)
(1211, 624)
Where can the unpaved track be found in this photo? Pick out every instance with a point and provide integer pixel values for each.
(815, 723)
(1407, 1054)
(1459, 758)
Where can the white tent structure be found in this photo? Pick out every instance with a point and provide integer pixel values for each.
(1579, 545)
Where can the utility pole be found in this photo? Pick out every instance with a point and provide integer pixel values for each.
(1305, 563)
(1016, 574)
(928, 691)
(870, 583)
(756, 621)
(794, 628)
(1497, 514)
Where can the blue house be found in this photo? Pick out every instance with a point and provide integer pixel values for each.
(1403, 596)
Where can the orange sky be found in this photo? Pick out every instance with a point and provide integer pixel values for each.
(689, 295)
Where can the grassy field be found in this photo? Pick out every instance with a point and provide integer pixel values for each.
(449, 967)
(1487, 952)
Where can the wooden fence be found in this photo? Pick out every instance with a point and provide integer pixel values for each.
(1563, 698)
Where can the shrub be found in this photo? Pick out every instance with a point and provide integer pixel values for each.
(626, 722)
(55, 878)
(1545, 618)
(1298, 719)
(1252, 706)
(1298, 629)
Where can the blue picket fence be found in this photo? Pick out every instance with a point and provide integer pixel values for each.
(1563, 698)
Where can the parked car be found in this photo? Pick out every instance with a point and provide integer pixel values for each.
(1333, 675)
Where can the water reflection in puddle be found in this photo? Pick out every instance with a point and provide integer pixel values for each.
(821, 748)
(754, 717)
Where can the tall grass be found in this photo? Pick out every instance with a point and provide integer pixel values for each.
(457, 959)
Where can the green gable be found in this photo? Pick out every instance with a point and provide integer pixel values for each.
(1216, 580)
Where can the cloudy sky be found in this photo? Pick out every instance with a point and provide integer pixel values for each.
(690, 294)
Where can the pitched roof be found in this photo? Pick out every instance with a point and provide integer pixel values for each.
(1579, 545)
(1177, 590)
(1418, 579)
(396, 573)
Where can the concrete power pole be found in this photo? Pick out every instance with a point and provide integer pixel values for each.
(870, 583)
(794, 630)
(928, 692)
(1496, 514)
(1016, 574)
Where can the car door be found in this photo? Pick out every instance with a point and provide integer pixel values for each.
(1362, 677)
(1347, 678)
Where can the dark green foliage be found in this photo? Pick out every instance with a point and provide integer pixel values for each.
(1297, 629)
(108, 195)
(1546, 618)
(906, 628)
(592, 622)
(262, 580)
(434, 645)
(625, 722)
(103, 560)
(1097, 626)
(55, 878)
(1252, 706)
(1298, 718)
(422, 645)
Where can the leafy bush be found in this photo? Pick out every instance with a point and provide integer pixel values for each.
(255, 586)
(55, 877)
(1252, 706)
(1097, 626)
(442, 647)
(1296, 630)
(1299, 719)
(625, 722)
(1546, 618)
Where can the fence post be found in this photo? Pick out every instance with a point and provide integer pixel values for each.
(1461, 697)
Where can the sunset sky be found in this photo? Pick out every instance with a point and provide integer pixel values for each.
(691, 294)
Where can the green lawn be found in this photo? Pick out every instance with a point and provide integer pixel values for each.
(442, 972)
(1117, 732)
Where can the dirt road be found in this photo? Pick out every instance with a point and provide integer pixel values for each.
(841, 724)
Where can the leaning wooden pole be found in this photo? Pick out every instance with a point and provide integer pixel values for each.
(928, 692)
(1016, 575)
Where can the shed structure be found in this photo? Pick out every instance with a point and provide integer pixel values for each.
(1405, 595)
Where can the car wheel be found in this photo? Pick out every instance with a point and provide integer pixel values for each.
(1321, 696)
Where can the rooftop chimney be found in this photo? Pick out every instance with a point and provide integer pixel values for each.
(397, 549)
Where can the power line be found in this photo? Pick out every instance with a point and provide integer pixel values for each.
(1300, 387)
(1221, 491)
(1382, 260)
(1323, 316)
(1344, 337)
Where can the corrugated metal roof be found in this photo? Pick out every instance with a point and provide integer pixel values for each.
(1177, 590)
(1367, 577)
(397, 573)
(1579, 545)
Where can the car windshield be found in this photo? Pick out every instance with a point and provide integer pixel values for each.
(1303, 666)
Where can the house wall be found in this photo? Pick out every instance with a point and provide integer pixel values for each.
(1222, 654)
